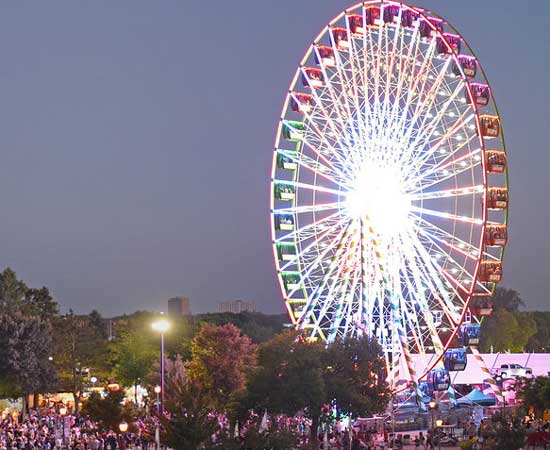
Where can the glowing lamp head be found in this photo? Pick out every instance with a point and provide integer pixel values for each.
(161, 325)
(377, 196)
(63, 410)
(157, 389)
(123, 426)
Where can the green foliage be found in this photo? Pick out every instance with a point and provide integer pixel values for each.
(257, 326)
(289, 377)
(507, 432)
(79, 344)
(535, 393)
(467, 445)
(24, 365)
(353, 374)
(188, 423)
(133, 356)
(109, 411)
(507, 331)
(25, 337)
(221, 360)
(273, 439)
(540, 341)
(508, 299)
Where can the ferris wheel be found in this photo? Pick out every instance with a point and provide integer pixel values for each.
(389, 195)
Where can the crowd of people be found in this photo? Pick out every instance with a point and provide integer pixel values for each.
(51, 431)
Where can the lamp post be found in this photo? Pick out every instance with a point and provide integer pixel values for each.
(161, 326)
(63, 413)
(438, 424)
(432, 406)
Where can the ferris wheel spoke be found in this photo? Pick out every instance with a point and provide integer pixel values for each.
(311, 187)
(330, 298)
(448, 193)
(457, 273)
(324, 148)
(431, 122)
(308, 208)
(445, 169)
(310, 229)
(313, 247)
(465, 118)
(340, 133)
(437, 281)
(453, 242)
(315, 167)
(314, 295)
(445, 215)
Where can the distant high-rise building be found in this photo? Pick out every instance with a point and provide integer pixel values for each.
(236, 306)
(179, 306)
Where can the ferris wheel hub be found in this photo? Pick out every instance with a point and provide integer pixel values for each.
(379, 198)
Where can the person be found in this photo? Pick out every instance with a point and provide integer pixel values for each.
(429, 440)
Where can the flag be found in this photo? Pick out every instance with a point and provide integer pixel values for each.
(263, 424)
(236, 434)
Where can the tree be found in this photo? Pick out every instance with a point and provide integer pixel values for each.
(221, 360)
(289, 378)
(507, 331)
(507, 432)
(535, 393)
(25, 337)
(108, 412)
(508, 299)
(133, 356)
(24, 364)
(188, 423)
(353, 372)
(80, 349)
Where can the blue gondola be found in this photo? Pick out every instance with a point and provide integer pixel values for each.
(469, 334)
(455, 359)
(439, 379)
(284, 222)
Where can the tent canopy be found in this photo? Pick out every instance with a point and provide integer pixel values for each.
(476, 397)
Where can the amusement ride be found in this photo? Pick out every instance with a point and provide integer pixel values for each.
(389, 194)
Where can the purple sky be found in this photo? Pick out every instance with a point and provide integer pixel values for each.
(136, 141)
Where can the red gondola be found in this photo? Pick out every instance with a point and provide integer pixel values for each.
(325, 56)
(495, 161)
(372, 15)
(390, 13)
(490, 126)
(468, 64)
(408, 17)
(312, 77)
(340, 38)
(356, 25)
(301, 103)
(490, 271)
(481, 306)
(497, 198)
(496, 235)
(480, 92)
(446, 41)
(427, 30)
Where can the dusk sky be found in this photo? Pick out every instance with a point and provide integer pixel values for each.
(137, 136)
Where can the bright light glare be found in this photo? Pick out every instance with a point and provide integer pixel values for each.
(161, 325)
(378, 198)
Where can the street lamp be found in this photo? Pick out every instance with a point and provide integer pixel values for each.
(94, 381)
(123, 426)
(161, 326)
(157, 391)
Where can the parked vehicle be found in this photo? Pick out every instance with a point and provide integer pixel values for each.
(513, 371)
